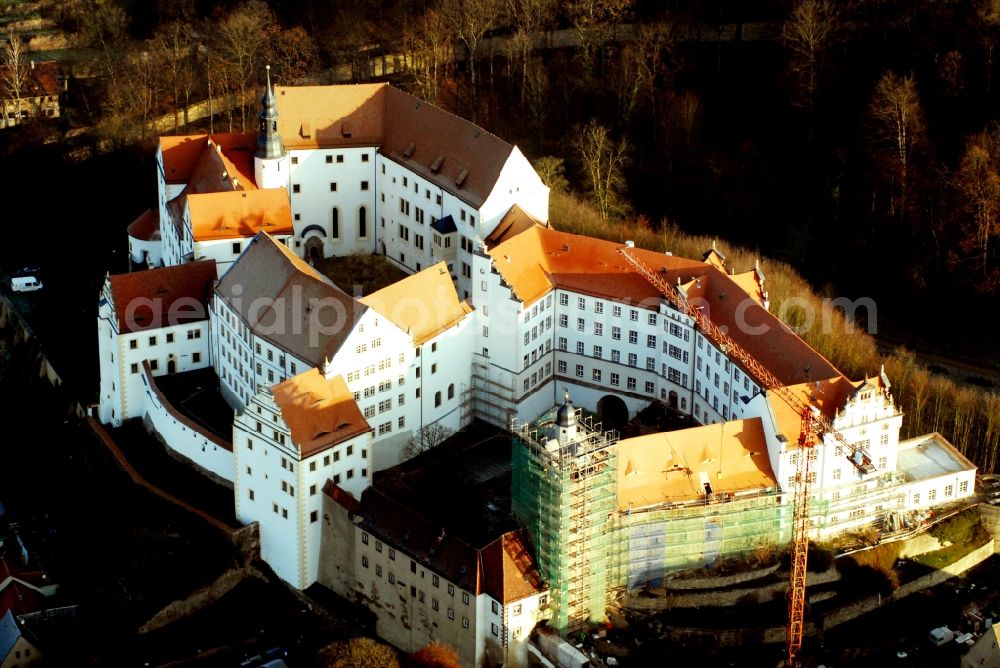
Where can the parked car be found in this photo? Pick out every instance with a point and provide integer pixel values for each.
(25, 283)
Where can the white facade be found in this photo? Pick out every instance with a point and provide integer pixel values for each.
(168, 349)
(188, 439)
(333, 199)
(280, 489)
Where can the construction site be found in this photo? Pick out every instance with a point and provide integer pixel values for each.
(571, 486)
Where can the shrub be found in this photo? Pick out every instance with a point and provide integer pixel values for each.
(435, 655)
(357, 653)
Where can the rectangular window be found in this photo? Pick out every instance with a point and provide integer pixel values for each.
(579, 370)
(364, 185)
(561, 366)
(631, 383)
(597, 375)
(563, 299)
(633, 337)
(614, 378)
(598, 329)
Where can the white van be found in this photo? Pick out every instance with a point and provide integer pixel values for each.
(25, 284)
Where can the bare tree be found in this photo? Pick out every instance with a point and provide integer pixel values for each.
(807, 33)
(537, 92)
(988, 13)
(241, 39)
(470, 20)
(603, 160)
(978, 185)
(593, 21)
(531, 17)
(899, 127)
(430, 50)
(14, 76)
(552, 172)
(424, 439)
(176, 48)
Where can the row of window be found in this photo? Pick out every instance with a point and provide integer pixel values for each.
(330, 157)
(192, 334)
(616, 309)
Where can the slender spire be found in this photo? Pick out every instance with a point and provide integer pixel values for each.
(269, 144)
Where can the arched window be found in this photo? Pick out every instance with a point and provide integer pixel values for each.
(335, 224)
(451, 391)
(437, 399)
(362, 222)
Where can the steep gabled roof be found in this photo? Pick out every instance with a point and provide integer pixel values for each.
(828, 395)
(422, 305)
(515, 221)
(233, 215)
(541, 259)
(287, 302)
(320, 413)
(162, 296)
(672, 467)
(447, 150)
(504, 567)
(146, 227)
(181, 154)
(509, 570)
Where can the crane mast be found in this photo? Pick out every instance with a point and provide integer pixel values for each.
(814, 426)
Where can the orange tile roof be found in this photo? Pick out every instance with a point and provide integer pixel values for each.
(320, 413)
(509, 570)
(515, 221)
(750, 284)
(169, 296)
(182, 153)
(827, 395)
(236, 214)
(541, 259)
(423, 304)
(326, 116)
(146, 227)
(672, 467)
(407, 129)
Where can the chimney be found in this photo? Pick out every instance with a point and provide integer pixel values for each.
(630, 243)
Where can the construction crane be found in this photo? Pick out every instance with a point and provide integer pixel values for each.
(814, 426)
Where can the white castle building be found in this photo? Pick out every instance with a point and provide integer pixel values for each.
(501, 314)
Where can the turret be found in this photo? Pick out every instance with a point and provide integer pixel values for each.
(270, 158)
(566, 421)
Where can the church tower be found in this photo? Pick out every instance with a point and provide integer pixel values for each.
(270, 159)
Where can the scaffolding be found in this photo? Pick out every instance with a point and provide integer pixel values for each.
(494, 400)
(588, 550)
(566, 496)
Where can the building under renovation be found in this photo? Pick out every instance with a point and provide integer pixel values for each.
(607, 514)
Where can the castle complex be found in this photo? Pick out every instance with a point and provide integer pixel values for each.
(502, 319)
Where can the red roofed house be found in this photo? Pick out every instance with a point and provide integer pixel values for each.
(158, 316)
(39, 94)
(426, 584)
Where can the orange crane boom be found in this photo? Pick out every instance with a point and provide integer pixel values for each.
(814, 425)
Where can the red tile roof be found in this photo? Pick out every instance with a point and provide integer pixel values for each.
(509, 570)
(540, 259)
(504, 568)
(515, 221)
(443, 148)
(320, 413)
(163, 296)
(146, 227)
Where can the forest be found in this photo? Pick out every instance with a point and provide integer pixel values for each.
(852, 146)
